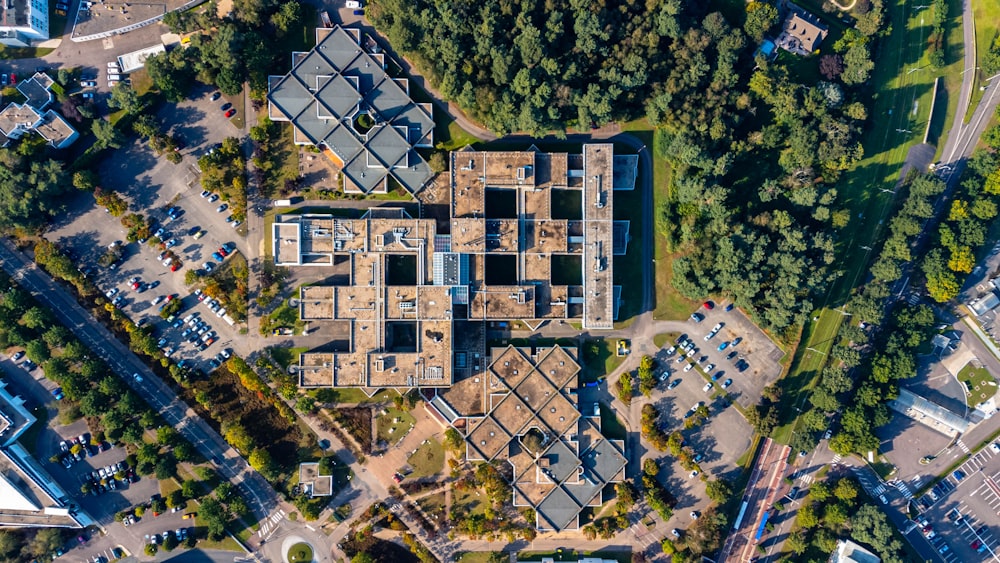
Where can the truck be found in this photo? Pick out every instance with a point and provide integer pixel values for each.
(324, 17)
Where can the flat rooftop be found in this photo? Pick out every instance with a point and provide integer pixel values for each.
(531, 238)
(571, 462)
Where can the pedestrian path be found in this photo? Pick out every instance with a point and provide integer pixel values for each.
(962, 445)
(270, 524)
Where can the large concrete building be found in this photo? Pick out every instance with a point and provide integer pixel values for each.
(23, 21)
(560, 461)
(340, 98)
(531, 240)
(29, 497)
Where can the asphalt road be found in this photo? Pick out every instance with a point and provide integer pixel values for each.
(259, 495)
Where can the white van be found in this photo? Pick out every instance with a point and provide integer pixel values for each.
(114, 76)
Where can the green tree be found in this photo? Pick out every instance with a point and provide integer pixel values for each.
(761, 17)
(125, 98)
(105, 134)
(718, 490)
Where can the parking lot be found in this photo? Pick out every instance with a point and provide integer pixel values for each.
(725, 346)
(964, 516)
(720, 441)
(152, 185)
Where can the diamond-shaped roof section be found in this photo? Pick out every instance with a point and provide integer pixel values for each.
(558, 366)
(312, 127)
(559, 462)
(388, 99)
(512, 414)
(338, 95)
(558, 510)
(290, 96)
(511, 366)
(535, 390)
(340, 48)
(342, 142)
(312, 66)
(559, 414)
(388, 145)
(489, 438)
(364, 177)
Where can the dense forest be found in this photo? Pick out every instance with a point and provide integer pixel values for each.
(755, 149)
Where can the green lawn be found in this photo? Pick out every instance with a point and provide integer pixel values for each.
(483, 557)
(29, 439)
(979, 384)
(287, 356)
(611, 425)
(428, 459)
(433, 505)
(472, 500)
(664, 338)
(669, 304)
(386, 422)
(987, 17)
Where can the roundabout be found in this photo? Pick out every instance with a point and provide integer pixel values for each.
(297, 550)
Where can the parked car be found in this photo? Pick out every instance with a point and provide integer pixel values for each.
(222, 208)
(708, 387)
(697, 317)
(231, 113)
(674, 383)
(727, 383)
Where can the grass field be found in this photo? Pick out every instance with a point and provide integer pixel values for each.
(29, 439)
(386, 422)
(902, 103)
(663, 338)
(669, 304)
(428, 460)
(433, 505)
(987, 17)
(979, 384)
(611, 425)
(483, 557)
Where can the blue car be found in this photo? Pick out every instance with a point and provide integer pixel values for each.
(729, 307)
(58, 393)
(218, 257)
(229, 247)
(723, 346)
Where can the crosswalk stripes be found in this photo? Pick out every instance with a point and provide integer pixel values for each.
(880, 489)
(962, 446)
(836, 459)
(806, 479)
(270, 523)
(904, 489)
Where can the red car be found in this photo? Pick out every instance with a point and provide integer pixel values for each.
(175, 266)
(135, 285)
(13, 79)
(223, 252)
(231, 113)
(708, 305)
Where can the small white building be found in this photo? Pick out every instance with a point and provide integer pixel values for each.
(23, 21)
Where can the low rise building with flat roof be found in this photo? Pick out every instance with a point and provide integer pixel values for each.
(339, 97)
(29, 497)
